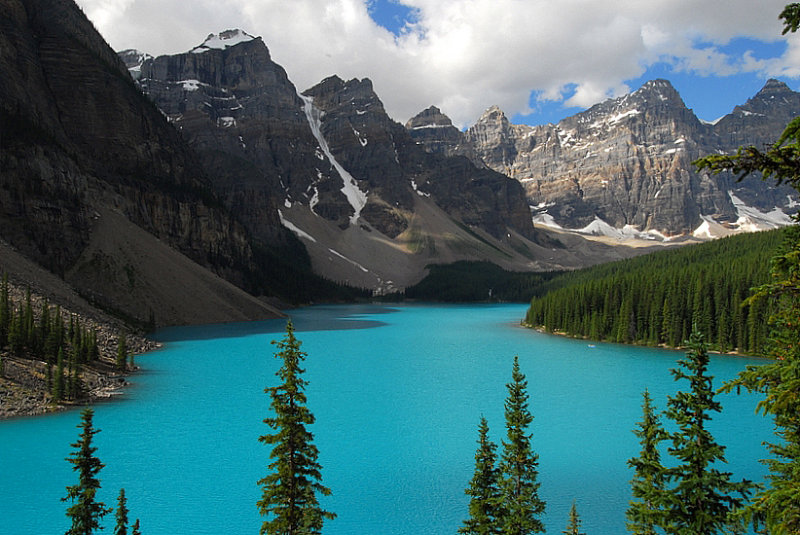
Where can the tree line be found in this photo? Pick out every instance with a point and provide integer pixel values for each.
(663, 297)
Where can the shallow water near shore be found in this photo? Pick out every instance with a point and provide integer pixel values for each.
(397, 392)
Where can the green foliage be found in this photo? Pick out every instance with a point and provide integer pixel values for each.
(658, 299)
(289, 491)
(85, 512)
(521, 507)
(466, 281)
(574, 523)
(122, 353)
(648, 484)
(121, 515)
(43, 337)
(701, 497)
(485, 498)
(777, 506)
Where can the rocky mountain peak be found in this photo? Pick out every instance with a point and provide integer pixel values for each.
(774, 95)
(333, 92)
(435, 132)
(429, 118)
(223, 40)
(493, 114)
(659, 89)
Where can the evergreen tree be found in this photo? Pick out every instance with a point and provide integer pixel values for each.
(58, 381)
(121, 527)
(574, 523)
(135, 528)
(5, 310)
(647, 487)
(701, 496)
(483, 489)
(85, 512)
(122, 353)
(777, 506)
(289, 491)
(522, 506)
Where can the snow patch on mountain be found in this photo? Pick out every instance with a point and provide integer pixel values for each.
(291, 226)
(353, 262)
(598, 227)
(354, 195)
(222, 40)
(752, 219)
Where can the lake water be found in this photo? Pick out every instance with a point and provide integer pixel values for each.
(397, 391)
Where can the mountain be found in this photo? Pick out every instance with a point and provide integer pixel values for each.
(90, 167)
(371, 206)
(623, 167)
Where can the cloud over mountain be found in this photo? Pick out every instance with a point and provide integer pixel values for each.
(463, 55)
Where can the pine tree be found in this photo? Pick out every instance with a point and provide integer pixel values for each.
(574, 523)
(647, 487)
(121, 527)
(5, 310)
(522, 506)
(59, 385)
(483, 489)
(135, 528)
(122, 353)
(289, 491)
(777, 506)
(701, 496)
(85, 512)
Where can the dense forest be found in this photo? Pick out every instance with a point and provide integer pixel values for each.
(661, 298)
(471, 281)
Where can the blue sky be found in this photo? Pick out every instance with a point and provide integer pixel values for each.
(539, 60)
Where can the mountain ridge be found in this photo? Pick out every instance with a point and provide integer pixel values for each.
(625, 164)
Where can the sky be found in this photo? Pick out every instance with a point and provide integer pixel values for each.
(539, 60)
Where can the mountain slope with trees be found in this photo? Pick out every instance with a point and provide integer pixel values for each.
(659, 299)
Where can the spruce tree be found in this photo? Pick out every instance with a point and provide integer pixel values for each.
(135, 528)
(5, 310)
(483, 489)
(122, 353)
(289, 491)
(701, 497)
(647, 487)
(574, 523)
(85, 512)
(59, 384)
(121, 515)
(777, 506)
(521, 505)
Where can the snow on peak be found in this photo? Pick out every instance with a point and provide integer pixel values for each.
(223, 40)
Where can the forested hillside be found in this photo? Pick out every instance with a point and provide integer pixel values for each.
(659, 299)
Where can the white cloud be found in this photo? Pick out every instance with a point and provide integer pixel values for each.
(465, 55)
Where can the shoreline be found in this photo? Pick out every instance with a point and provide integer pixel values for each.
(542, 330)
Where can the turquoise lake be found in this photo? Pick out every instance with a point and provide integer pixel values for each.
(397, 391)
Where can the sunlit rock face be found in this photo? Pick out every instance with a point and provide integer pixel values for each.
(627, 162)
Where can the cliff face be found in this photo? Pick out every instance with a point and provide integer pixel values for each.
(627, 161)
(79, 139)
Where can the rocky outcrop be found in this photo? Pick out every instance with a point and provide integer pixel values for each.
(627, 162)
(435, 132)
